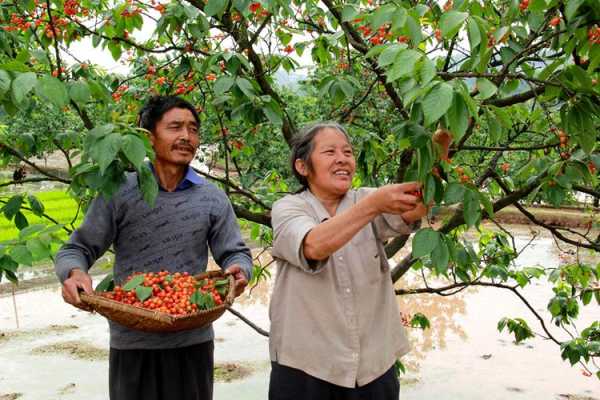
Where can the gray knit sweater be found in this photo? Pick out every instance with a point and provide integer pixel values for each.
(174, 235)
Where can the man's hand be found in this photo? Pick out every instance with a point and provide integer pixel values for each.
(240, 278)
(70, 291)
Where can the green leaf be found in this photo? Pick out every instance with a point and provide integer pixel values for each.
(472, 211)
(420, 321)
(215, 7)
(4, 82)
(53, 90)
(148, 185)
(246, 87)
(427, 71)
(21, 221)
(424, 242)
(487, 204)
(375, 51)
(437, 102)
(399, 19)
(586, 297)
(537, 5)
(12, 206)
(388, 55)
(458, 116)
(502, 324)
(474, 34)
(221, 282)
(107, 284)
(36, 206)
(15, 66)
(99, 91)
(39, 250)
(486, 89)
(134, 282)
(404, 65)
(80, 92)
(455, 193)
(571, 8)
(115, 49)
(349, 13)
(414, 30)
(22, 85)
(429, 189)
(196, 297)
(31, 230)
(223, 84)
(134, 149)
(450, 23)
(143, 292)
(273, 113)
(382, 15)
(8, 264)
(440, 256)
(21, 254)
(108, 147)
(101, 131)
(346, 87)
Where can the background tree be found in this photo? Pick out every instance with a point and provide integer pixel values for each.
(489, 104)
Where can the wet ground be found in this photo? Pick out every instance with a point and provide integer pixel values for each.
(59, 352)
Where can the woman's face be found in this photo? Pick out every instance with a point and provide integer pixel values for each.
(333, 164)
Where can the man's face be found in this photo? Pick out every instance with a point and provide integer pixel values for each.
(175, 137)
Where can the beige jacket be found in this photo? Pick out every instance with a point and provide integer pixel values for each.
(338, 319)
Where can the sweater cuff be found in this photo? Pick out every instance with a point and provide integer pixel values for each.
(68, 262)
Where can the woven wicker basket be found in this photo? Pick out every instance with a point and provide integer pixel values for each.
(154, 321)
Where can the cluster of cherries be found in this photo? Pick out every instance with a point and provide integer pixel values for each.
(171, 293)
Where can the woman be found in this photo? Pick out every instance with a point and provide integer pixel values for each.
(335, 325)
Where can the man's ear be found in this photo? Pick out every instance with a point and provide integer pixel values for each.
(301, 167)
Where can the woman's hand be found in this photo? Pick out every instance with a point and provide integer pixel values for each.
(397, 198)
(416, 214)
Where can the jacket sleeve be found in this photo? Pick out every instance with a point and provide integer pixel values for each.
(291, 223)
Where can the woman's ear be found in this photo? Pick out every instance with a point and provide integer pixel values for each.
(300, 166)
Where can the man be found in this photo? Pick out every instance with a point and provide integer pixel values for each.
(189, 216)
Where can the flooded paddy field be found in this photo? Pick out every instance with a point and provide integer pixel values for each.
(59, 352)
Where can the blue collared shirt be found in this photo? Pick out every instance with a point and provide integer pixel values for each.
(190, 179)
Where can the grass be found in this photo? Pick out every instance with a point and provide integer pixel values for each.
(57, 204)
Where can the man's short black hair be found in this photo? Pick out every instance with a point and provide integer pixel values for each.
(157, 106)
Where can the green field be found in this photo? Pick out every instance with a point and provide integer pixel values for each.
(57, 204)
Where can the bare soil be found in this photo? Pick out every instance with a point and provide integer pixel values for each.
(77, 349)
(227, 372)
(5, 336)
(10, 396)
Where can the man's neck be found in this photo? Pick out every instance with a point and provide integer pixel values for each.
(169, 175)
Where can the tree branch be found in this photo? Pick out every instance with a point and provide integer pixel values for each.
(248, 322)
(359, 45)
(587, 190)
(441, 290)
(21, 157)
(518, 98)
(458, 219)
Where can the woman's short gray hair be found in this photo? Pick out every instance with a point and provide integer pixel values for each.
(303, 146)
